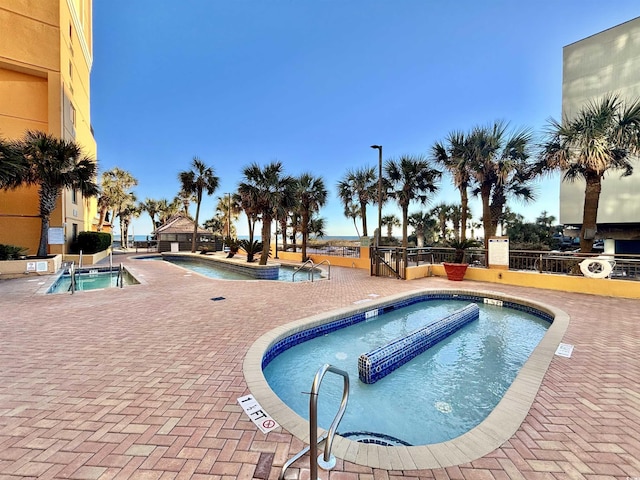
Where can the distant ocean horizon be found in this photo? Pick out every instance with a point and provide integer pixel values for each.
(346, 238)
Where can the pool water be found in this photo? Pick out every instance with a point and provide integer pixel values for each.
(210, 270)
(91, 281)
(437, 396)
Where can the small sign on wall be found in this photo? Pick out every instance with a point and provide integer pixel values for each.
(56, 236)
(499, 252)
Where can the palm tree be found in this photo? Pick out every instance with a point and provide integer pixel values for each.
(500, 167)
(442, 213)
(116, 196)
(12, 165)
(167, 210)
(152, 208)
(228, 210)
(359, 186)
(197, 181)
(311, 194)
(127, 209)
(410, 178)
(184, 199)
(263, 191)
(424, 226)
(53, 164)
(389, 221)
(603, 136)
(455, 156)
(352, 211)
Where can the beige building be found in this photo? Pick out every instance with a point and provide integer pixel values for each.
(607, 62)
(46, 56)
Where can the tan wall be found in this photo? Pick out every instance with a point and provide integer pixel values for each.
(45, 64)
(603, 63)
(14, 268)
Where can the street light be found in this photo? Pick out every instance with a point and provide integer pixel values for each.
(379, 148)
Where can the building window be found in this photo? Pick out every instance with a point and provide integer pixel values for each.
(72, 113)
(70, 70)
(74, 196)
(74, 232)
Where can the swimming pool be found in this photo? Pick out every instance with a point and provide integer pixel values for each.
(501, 421)
(236, 271)
(91, 279)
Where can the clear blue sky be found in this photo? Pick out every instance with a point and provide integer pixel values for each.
(313, 83)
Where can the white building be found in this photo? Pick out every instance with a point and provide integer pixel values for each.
(607, 62)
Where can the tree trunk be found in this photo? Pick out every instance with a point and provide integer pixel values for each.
(305, 235)
(195, 225)
(405, 223)
(590, 211)
(485, 194)
(48, 197)
(266, 239)
(123, 234)
(363, 214)
(420, 239)
(283, 231)
(464, 204)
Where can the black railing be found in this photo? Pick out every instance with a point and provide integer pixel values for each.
(390, 261)
(335, 251)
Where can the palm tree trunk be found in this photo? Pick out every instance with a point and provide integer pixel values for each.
(195, 225)
(48, 197)
(305, 234)
(266, 239)
(485, 193)
(363, 214)
(590, 210)
(283, 231)
(464, 204)
(405, 223)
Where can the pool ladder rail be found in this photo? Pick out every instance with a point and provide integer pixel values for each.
(313, 266)
(73, 272)
(327, 460)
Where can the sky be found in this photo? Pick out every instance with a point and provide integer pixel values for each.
(314, 83)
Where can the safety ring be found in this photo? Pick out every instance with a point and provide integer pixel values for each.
(594, 268)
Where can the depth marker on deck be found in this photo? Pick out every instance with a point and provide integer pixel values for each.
(257, 415)
(564, 350)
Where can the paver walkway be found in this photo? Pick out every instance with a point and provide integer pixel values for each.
(142, 382)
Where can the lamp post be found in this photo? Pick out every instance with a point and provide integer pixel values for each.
(379, 148)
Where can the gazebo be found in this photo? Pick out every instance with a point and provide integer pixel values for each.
(176, 234)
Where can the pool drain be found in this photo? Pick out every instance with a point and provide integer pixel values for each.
(375, 438)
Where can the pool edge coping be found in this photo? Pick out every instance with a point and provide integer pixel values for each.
(498, 427)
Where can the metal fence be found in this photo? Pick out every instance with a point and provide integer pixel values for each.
(336, 251)
(391, 261)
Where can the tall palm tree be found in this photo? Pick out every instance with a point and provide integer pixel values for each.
(389, 221)
(200, 179)
(359, 186)
(500, 167)
(263, 191)
(152, 208)
(454, 156)
(603, 136)
(127, 210)
(352, 211)
(311, 194)
(228, 210)
(411, 178)
(53, 164)
(116, 195)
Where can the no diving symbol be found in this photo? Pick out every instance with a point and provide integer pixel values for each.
(269, 423)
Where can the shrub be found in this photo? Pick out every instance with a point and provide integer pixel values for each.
(11, 252)
(92, 242)
(251, 248)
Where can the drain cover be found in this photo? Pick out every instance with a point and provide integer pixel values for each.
(216, 299)
(376, 438)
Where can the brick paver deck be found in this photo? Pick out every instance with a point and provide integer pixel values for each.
(142, 382)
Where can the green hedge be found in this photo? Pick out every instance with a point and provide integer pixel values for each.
(92, 242)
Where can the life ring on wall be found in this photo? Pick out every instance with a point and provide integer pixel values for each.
(594, 268)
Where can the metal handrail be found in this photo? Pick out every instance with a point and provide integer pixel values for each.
(328, 461)
(72, 274)
(328, 270)
(120, 278)
(301, 267)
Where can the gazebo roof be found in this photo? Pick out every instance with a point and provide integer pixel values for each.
(179, 224)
